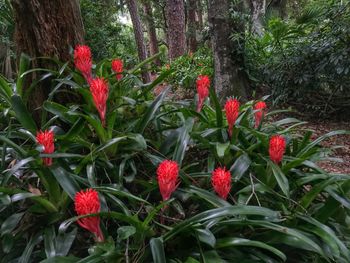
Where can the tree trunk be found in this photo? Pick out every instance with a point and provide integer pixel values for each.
(279, 6)
(138, 33)
(175, 13)
(153, 42)
(191, 33)
(199, 15)
(46, 29)
(258, 11)
(229, 80)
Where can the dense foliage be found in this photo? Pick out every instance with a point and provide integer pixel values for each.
(305, 60)
(276, 211)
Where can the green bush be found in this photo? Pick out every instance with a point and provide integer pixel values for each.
(293, 211)
(187, 68)
(306, 60)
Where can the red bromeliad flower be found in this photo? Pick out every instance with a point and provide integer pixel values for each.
(86, 203)
(277, 148)
(203, 84)
(99, 91)
(221, 181)
(167, 176)
(260, 108)
(46, 139)
(83, 61)
(232, 111)
(117, 67)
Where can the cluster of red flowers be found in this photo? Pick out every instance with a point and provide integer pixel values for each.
(232, 111)
(98, 86)
(117, 67)
(167, 176)
(46, 139)
(277, 147)
(203, 84)
(87, 202)
(99, 91)
(83, 61)
(260, 108)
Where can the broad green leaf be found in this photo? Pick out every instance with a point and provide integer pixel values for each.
(240, 166)
(235, 241)
(125, 232)
(157, 248)
(151, 111)
(280, 178)
(22, 114)
(10, 223)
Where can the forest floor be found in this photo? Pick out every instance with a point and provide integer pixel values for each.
(322, 127)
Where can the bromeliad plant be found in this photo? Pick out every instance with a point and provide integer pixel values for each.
(157, 180)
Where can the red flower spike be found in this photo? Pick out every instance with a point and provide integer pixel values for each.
(167, 176)
(117, 67)
(277, 148)
(260, 108)
(46, 139)
(86, 203)
(99, 90)
(232, 111)
(203, 84)
(221, 182)
(83, 61)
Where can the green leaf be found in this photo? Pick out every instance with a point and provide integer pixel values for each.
(64, 242)
(49, 242)
(220, 213)
(209, 197)
(240, 166)
(206, 236)
(149, 115)
(23, 66)
(218, 110)
(221, 148)
(65, 180)
(22, 114)
(125, 232)
(280, 178)
(27, 253)
(182, 141)
(157, 249)
(10, 223)
(235, 241)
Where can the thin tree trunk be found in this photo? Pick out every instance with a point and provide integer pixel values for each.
(229, 80)
(175, 13)
(199, 14)
(191, 33)
(153, 42)
(46, 29)
(138, 33)
(258, 11)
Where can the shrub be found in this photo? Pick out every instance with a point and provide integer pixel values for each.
(275, 211)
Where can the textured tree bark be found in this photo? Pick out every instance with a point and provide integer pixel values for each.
(46, 29)
(138, 33)
(229, 80)
(199, 11)
(153, 42)
(175, 13)
(258, 8)
(191, 26)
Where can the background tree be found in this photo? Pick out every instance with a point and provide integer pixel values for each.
(46, 29)
(229, 80)
(138, 33)
(257, 12)
(151, 29)
(175, 15)
(191, 26)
